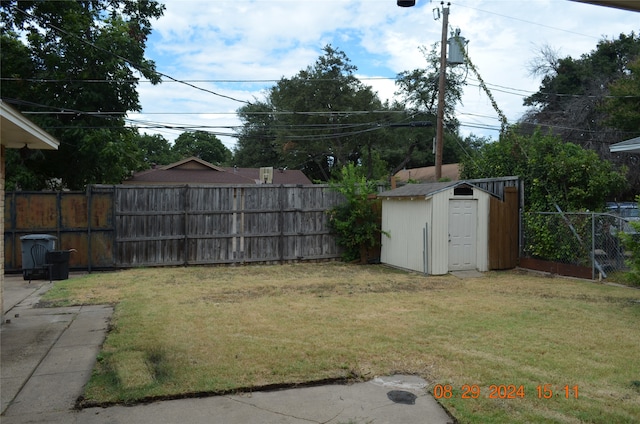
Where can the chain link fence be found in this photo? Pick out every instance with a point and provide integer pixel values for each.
(585, 240)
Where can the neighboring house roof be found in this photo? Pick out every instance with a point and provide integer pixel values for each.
(428, 173)
(192, 163)
(280, 176)
(197, 171)
(628, 146)
(18, 132)
(426, 190)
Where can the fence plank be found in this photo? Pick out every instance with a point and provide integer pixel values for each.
(128, 226)
(503, 230)
(224, 224)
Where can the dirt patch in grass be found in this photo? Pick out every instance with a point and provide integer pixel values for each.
(324, 290)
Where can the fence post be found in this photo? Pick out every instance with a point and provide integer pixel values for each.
(13, 214)
(593, 246)
(281, 223)
(59, 219)
(186, 225)
(89, 201)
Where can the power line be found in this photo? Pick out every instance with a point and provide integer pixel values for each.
(494, 87)
(67, 111)
(225, 81)
(528, 22)
(129, 61)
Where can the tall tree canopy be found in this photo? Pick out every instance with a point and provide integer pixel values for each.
(155, 150)
(324, 118)
(203, 145)
(623, 105)
(553, 172)
(588, 101)
(418, 93)
(257, 145)
(77, 64)
(315, 121)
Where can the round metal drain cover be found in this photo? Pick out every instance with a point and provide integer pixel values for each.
(402, 396)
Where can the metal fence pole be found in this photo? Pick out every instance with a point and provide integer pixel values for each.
(593, 246)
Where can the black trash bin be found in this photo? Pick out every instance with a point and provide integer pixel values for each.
(59, 260)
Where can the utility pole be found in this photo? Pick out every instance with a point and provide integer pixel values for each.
(441, 82)
(441, 88)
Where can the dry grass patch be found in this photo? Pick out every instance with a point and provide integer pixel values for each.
(212, 330)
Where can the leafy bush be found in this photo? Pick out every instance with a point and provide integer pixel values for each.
(356, 222)
(549, 237)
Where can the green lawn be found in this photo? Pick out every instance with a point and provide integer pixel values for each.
(180, 331)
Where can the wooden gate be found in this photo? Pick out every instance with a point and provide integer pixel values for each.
(82, 221)
(504, 233)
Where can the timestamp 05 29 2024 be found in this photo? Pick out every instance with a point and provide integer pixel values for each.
(504, 391)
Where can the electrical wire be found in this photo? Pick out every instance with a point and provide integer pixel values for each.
(129, 61)
(528, 22)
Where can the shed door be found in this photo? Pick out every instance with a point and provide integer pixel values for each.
(463, 218)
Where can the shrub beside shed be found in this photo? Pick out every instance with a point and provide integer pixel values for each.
(436, 228)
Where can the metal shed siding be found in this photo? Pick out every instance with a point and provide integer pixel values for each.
(439, 232)
(482, 252)
(404, 220)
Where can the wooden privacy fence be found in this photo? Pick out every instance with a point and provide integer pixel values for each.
(189, 225)
(128, 226)
(83, 221)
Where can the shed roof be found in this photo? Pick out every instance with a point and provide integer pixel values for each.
(427, 190)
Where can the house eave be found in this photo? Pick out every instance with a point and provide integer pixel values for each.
(631, 5)
(18, 132)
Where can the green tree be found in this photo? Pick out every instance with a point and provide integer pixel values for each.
(203, 145)
(324, 118)
(574, 100)
(418, 91)
(315, 120)
(256, 144)
(77, 64)
(553, 172)
(623, 107)
(155, 149)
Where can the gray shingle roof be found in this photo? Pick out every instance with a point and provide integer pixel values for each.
(425, 190)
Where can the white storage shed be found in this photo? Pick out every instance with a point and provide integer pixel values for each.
(436, 228)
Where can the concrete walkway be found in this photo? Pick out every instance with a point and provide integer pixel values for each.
(47, 355)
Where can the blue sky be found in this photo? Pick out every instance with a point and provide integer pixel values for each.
(239, 48)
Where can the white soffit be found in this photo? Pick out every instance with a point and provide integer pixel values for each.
(16, 131)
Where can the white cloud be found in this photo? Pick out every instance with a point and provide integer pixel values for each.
(269, 39)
